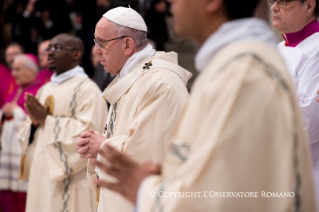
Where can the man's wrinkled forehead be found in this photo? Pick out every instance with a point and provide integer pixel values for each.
(103, 23)
(103, 28)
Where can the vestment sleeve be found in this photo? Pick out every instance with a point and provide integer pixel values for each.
(61, 133)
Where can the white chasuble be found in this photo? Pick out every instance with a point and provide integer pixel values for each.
(240, 144)
(146, 105)
(56, 173)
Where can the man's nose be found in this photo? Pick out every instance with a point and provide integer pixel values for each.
(97, 50)
(275, 7)
(50, 53)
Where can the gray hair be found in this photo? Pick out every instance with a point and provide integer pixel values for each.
(30, 64)
(139, 37)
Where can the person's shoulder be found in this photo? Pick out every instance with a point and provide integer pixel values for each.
(310, 46)
(164, 68)
(250, 57)
(239, 51)
(88, 83)
(82, 84)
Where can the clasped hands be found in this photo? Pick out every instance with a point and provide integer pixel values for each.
(36, 111)
(88, 144)
(129, 173)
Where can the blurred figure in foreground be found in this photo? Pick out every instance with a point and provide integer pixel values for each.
(13, 114)
(44, 74)
(241, 131)
(298, 24)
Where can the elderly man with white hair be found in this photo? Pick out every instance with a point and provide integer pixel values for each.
(13, 113)
(147, 97)
(297, 21)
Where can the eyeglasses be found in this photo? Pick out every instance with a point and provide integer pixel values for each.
(99, 43)
(57, 48)
(281, 3)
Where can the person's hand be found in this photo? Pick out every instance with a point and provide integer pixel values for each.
(36, 111)
(88, 144)
(8, 109)
(129, 173)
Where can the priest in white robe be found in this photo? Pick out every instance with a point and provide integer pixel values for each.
(68, 105)
(147, 97)
(240, 143)
(297, 23)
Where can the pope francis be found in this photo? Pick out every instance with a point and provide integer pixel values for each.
(146, 97)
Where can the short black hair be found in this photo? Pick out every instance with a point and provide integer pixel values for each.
(75, 41)
(236, 9)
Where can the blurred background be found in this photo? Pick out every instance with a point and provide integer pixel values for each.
(29, 22)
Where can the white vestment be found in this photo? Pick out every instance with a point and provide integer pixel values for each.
(11, 152)
(303, 65)
(146, 105)
(240, 143)
(56, 173)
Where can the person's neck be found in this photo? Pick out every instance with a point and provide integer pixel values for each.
(29, 83)
(291, 31)
(208, 28)
(311, 19)
(295, 38)
(65, 70)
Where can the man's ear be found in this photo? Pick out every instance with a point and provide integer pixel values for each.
(128, 46)
(77, 55)
(310, 7)
(211, 6)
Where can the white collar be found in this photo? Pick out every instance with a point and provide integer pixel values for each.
(74, 72)
(136, 59)
(232, 31)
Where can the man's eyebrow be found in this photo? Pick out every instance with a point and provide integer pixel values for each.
(100, 39)
(55, 44)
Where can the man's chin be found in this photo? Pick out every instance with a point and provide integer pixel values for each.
(52, 68)
(276, 24)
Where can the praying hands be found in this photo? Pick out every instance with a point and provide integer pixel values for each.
(36, 111)
(88, 144)
(128, 172)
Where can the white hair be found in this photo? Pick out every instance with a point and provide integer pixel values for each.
(30, 64)
(139, 37)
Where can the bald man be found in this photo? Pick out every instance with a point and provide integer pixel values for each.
(68, 105)
(45, 74)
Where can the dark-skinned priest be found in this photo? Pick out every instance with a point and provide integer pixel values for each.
(63, 108)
